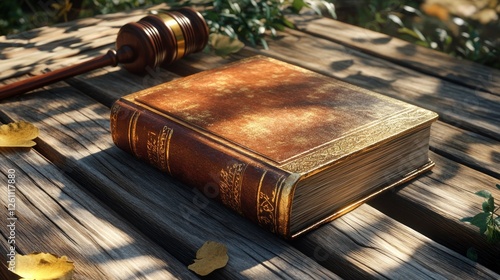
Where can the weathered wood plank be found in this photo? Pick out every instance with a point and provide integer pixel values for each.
(467, 148)
(108, 84)
(366, 244)
(75, 136)
(435, 203)
(54, 215)
(46, 45)
(21, 63)
(472, 149)
(434, 63)
(380, 77)
(473, 110)
(84, 162)
(23, 53)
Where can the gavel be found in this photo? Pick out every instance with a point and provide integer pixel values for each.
(155, 40)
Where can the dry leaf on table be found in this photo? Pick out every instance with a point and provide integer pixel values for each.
(210, 256)
(224, 45)
(18, 134)
(43, 266)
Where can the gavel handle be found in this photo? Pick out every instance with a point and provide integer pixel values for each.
(111, 58)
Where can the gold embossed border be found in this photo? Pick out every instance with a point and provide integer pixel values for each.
(158, 146)
(231, 180)
(361, 139)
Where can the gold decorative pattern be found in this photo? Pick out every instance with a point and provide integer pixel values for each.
(267, 205)
(360, 139)
(230, 183)
(158, 148)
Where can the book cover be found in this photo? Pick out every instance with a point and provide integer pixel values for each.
(286, 147)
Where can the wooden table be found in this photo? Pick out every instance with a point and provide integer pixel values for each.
(117, 218)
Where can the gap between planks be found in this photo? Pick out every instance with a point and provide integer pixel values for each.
(142, 201)
(55, 215)
(460, 71)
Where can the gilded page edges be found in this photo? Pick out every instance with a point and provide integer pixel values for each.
(410, 176)
(361, 140)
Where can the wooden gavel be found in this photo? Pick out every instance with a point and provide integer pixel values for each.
(155, 40)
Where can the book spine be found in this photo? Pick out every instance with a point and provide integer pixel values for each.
(252, 188)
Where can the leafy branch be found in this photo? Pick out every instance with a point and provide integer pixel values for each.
(250, 21)
(487, 221)
(411, 21)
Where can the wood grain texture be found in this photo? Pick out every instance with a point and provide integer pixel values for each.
(54, 215)
(367, 244)
(75, 136)
(467, 148)
(435, 203)
(430, 62)
(36, 49)
(63, 145)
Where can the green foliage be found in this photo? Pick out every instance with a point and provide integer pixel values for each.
(16, 17)
(458, 37)
(247, 20)
(487, 221)
(92, 7)
(250, 21)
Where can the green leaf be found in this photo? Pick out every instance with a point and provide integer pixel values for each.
(498, 186)
(297, 5)
(264, 43)
(484, 193)
(288, 23)
(480, 221)
(412, 10)
(492, 233)
(379, 19)
(394, 18)
(224, 45)
(489, 205)
(323, 8)
(472, 254)
(235, 7)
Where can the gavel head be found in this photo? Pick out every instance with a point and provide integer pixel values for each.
(161, 38)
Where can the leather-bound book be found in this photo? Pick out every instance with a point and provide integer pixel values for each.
(283, 146)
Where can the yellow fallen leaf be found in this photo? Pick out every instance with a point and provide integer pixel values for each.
(209, 257)
(18, 134)
(43, 266)
(224, 45)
